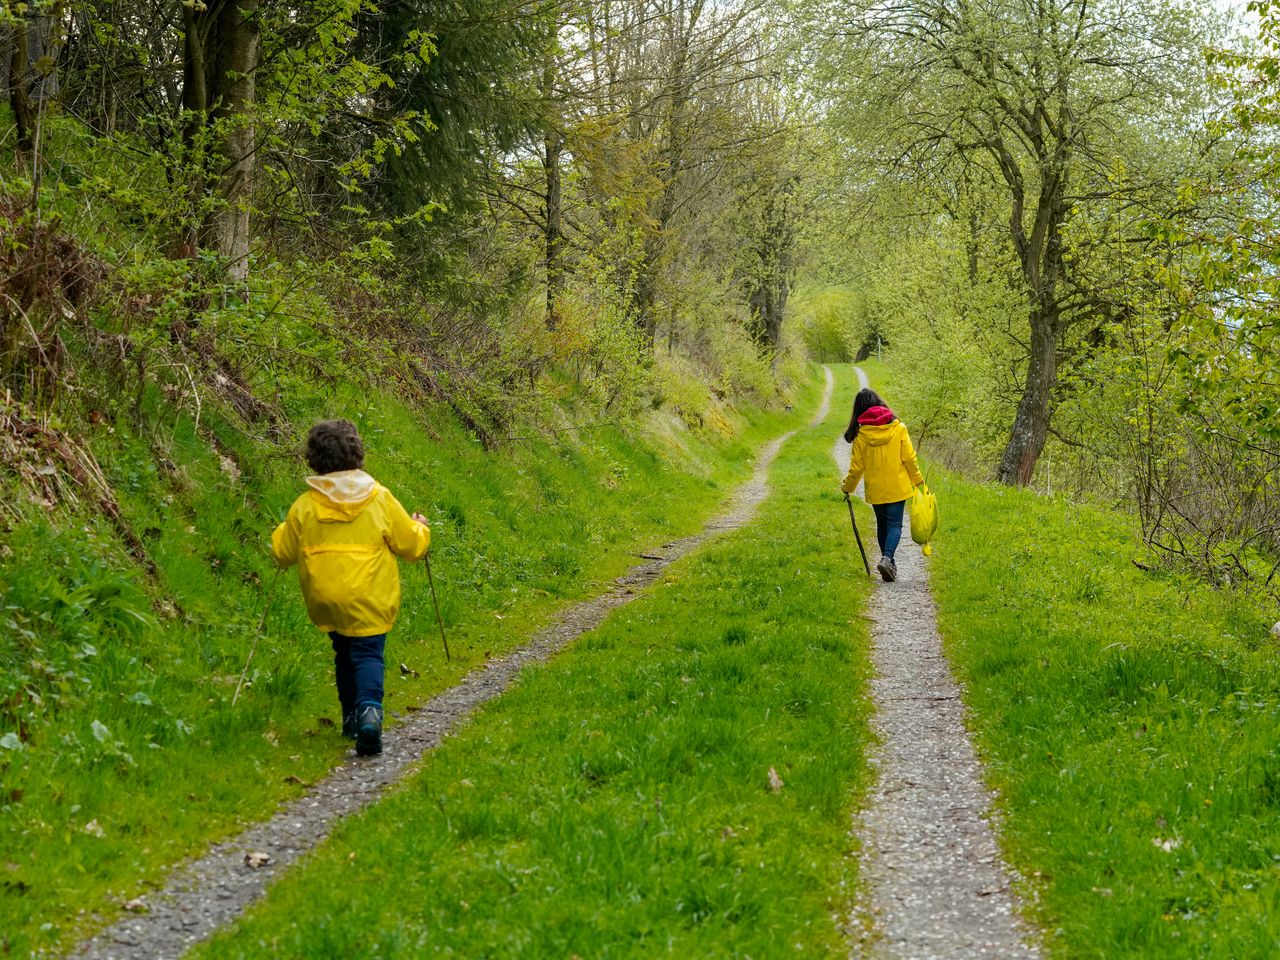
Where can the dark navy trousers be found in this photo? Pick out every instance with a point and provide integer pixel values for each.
(358, 667)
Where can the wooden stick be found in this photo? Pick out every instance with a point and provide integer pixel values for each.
(254, 646)
(434, 599)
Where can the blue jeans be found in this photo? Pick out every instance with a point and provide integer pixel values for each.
(888, 526)
(358, 668)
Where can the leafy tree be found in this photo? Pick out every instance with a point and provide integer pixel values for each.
(1036, 102)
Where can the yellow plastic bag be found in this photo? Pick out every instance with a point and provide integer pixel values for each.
(924, 517)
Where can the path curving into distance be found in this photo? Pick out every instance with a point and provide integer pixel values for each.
(933, 882)
(209, 893)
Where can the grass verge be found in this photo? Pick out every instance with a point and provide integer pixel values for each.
(617, 802)
(120, 749)
(1130, 721)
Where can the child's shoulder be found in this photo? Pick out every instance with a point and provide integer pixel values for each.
(300, 501)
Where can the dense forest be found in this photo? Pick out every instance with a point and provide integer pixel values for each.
(1061, 216)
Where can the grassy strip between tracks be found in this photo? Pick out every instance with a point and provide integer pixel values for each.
(618, 802)
(1130, 720)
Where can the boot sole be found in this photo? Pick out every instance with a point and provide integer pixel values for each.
(369, 744)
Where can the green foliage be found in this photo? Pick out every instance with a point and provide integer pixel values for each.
(466, 75)
(943, 332)
(1226, 289)
(1129, 720)
(827, 323)
(617, 802)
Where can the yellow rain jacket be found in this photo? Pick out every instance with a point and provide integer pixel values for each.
(885, 455)
(345, 534)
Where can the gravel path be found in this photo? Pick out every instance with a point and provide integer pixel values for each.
(209, 893)
(934, 883)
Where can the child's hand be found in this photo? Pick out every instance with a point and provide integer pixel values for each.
(420, 518)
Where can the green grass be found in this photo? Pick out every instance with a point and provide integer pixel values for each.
(616, 802)
(1130, 720)
(121, 750)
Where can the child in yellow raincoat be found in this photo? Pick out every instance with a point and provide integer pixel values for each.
(345, 534)
(882, 453)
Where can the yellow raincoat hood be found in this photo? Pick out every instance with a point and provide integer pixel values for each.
(342, 496)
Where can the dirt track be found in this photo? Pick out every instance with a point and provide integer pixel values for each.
(933, 882)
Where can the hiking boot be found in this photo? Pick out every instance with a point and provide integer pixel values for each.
(369, 730)
(888, 569)
(349, 724)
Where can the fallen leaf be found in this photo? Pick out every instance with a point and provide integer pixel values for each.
(292, 779)
(1104, 891)
(136, 905)
(728, 833)
(1168, 846)
(324, 721)
(256, 858)
(775, 781)
(408, 671)
(94, 829)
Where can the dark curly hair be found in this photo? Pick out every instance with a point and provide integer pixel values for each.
(864, 401)
(334, 445)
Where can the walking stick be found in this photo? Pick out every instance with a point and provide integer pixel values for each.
(434, 599)
(253, 647)
(857, 536)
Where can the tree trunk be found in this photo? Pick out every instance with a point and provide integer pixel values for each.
(1043, 268)
(553, 147)
(19, 101)
(218, 92)
(1031, 424)
(236, 66)
(195, 107)
(644, 295)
